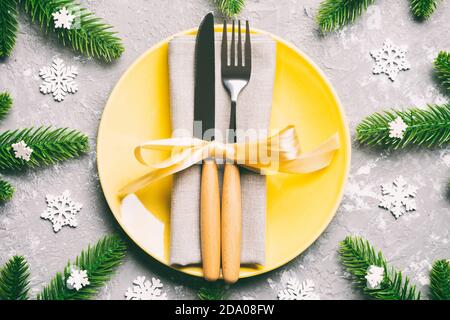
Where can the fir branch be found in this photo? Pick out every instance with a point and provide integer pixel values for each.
(6, 190)
(442, 68)
(8, 26)
(426, 127)
(100, 262)
(89, 36)
(357, 255)
(334, 14)
(212, 293)
(440, 280)
(423, 9)
(231, 8)
(49, 146)
(5, 104)
(14, 279)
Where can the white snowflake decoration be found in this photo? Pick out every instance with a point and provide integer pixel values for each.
(390, 60)
(61, 211)
(77, 279)
(63, 18)
(375, 276)
(146, 290)
(22, 151)
(397, 128)
(298, 291)
(58, 80)
(398, 197)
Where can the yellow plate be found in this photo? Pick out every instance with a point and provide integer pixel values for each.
(299, 206)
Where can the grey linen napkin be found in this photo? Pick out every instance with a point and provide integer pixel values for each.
(253, 112)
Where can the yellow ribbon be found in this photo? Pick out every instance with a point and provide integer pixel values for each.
(279, 153)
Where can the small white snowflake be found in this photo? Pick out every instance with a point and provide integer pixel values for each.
(298, 291)
(390, 60)
(61, 211)
(77, 279)
(63, 18)
(146, 290)
(375, 276)
(398, 197)
(22, 151)
(397, 128)
(58, 80)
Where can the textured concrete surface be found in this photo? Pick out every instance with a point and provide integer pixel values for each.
(411, 243)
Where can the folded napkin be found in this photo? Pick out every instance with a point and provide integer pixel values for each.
(253, 112)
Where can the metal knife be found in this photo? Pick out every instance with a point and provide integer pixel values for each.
(204, 122)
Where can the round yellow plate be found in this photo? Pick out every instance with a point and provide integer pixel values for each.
(299, 207)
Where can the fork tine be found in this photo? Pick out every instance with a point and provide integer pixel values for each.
(239, 45)
(248, 47)
(233, 47)
(224, 53)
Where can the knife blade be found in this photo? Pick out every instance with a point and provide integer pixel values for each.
(204, 122)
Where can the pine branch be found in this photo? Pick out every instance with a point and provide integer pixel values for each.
(423, 9)
(14, 279)
(100, 262)
(6, 190)
(49, 146)
(357, 255)
(442, 68)
(212, 293)
(8, 26)
(5, 104)
(231, 8)
(426, 127)
(89, 36)
(440, 280)
(334, 14)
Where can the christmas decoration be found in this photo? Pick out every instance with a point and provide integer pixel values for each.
(212, 292)
(21, 150)
(77, 279)
(440, 280)
(375, 276)
(61, 211)
(333, 14)
(390, 60)
(357, 255)
(423, 9)
(298, 291)
(5, 104)
(146, 290)
(58, 80)
(99, 261)
(14, 279)
(442, 67)
(6, 190)
(397, 128)
(230, 8)
(63, 18)
(398, 197)
(425, 127)
(8, 26)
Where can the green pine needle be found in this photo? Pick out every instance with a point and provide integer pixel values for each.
(100, 262)
(6, 190)
(8, 26)
(423, 9)
(442, 67)
(49, 146)
(357, 255)
(440, 280)
(89, 36)
(14, 279)
(426, 127)
(334, 14)
(231, 8)
(212, 293)
(5, 104)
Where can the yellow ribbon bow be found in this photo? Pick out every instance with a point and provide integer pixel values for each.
(279, 153)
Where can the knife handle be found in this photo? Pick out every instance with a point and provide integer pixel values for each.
(231, 223)
(210, 220)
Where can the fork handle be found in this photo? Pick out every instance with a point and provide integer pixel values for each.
(231, 223)
(210, 220)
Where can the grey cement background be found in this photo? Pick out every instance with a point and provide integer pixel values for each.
(411, 243)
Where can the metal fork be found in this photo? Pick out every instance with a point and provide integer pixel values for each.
(235, 76)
